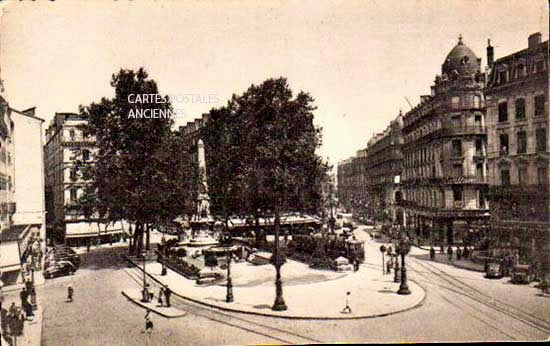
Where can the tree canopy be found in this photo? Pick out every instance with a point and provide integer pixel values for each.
(139, 172)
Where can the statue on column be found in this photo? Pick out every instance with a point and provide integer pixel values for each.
(203, 201)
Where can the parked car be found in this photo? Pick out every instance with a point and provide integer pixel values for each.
(54, 258)
(494, 270)
(522, 274)
(64, 248)
(59, 269)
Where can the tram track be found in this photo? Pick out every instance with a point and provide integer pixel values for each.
(462, 289)
(261, 329)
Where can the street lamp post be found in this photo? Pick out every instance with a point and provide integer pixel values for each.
(279, 304)
(382, 250)
(404, 248)
(229, 296)
(396, 268)
(163, 255)
(145, 291)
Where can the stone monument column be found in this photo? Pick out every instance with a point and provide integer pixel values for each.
(203, 201)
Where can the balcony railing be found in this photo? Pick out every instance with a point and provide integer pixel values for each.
(78, 138)
(449, 129)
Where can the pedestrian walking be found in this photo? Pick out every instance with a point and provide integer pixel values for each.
(347, 309)
(13, 310)
(432, 253)
(450, 252)
(161, 293)
(1, 298)
(458, 254)
(389, 265)
(23, 295)
(70, 293)
(167, 293)
(148, 322)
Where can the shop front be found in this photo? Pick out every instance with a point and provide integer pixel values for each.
(85, 233)
(21, 252)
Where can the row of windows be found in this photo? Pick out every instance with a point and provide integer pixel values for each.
(456, 171)
(542, 176)
(6, 185)
(519, 71)
(521, 140)
(520, 108)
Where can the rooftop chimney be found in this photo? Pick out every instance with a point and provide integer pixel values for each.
(534, 40)
(490, 53)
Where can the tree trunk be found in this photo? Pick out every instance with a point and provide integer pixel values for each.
(148, 237)
(257, 232)
(131, 243)
(138, 239)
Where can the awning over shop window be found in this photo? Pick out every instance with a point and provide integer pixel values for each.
(85, 229)
(15, 241)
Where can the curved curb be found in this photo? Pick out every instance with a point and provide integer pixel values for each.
(223, 308)
(148, 308)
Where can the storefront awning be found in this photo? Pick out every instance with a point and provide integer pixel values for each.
(85, 229)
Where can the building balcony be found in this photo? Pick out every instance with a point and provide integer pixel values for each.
(78, 139)
(465, 180)
(449, 129)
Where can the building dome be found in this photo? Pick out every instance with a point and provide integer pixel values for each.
(460, 59)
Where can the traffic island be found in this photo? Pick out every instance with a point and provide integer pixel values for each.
(308, 293)
(134, 295)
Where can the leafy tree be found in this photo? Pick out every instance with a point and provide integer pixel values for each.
(266, 141)
(134, 177)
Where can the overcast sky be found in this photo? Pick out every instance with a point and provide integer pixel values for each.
(358, 59)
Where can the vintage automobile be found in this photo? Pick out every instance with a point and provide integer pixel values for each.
(59, 269)
(521, 274)
(494, 270)
(57, 257)
(64, 248)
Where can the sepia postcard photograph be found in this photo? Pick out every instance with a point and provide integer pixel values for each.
(274, 172)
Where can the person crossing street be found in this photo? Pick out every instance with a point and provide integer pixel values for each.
(70, 292)
(167, 293)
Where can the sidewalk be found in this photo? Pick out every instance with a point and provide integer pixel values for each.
(134, 295)
(372, 294)
(444, 258)
(32, 330)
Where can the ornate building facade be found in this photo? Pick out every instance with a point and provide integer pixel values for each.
(444, 151)
(353, 184)
(518, 147)
(383, 168)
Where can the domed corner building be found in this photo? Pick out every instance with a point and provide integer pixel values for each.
(444, 179)
(461, 60)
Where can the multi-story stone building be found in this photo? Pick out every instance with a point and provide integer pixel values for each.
(383, 169)
(66, 144)
(518, 146)
(344, 176)
(22, 209)
(444, 151)
(352, 184)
